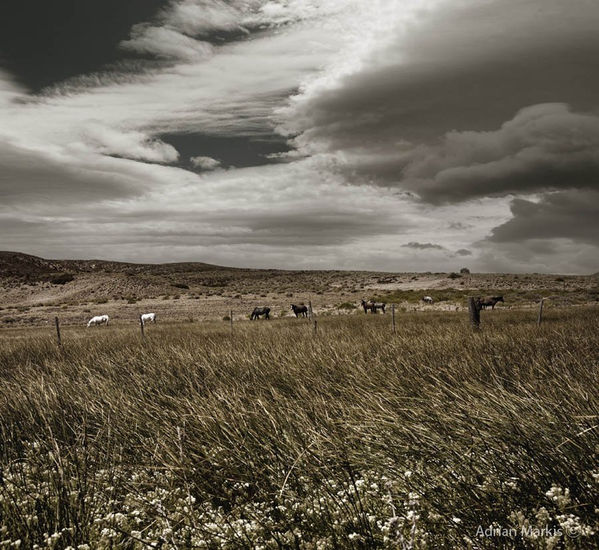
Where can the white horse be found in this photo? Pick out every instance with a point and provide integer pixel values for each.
(427, 300)
(98, 320)
(148, 318)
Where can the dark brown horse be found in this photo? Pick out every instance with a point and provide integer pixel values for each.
(489, 301)
(373, 306)
(259, 311)
(300, 311)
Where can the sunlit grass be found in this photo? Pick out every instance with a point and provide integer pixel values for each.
(274, 436)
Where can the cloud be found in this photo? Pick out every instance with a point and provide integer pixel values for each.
(127, 143)
(538, 256)
(557, 232)
(408, 112)
(166, 43)
(570, 215)
(205, 163)
(405, 116)
(544, 147)
(423, 246)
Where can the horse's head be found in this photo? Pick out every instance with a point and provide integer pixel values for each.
(499, 298)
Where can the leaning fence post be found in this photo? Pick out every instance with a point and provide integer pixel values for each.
(540, 318)
(474, 310)
(58, 331)
(141, 327)
(393, 317)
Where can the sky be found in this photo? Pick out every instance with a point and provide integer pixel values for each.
(392, 135)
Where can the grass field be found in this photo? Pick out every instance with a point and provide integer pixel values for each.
(275, 437)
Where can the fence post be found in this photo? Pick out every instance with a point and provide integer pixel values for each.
(310, 309)
(231, 320)
(540, 318)
(393, 317)
(474, 310)
(315, 326)
(58, 331)
(141, 327)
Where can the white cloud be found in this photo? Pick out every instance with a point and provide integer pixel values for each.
(205, 163)
(166, 43)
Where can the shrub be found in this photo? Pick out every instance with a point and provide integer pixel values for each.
(465, 271)
(180, 285)
(454, 276)
(62, 279)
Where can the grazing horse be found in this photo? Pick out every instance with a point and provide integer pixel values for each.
(98, 320)
(427, 300)
(373, 306)
(259, 311)
(300, 311)
(491, 301)
(148, 318)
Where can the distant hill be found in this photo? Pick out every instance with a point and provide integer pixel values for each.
(17, 264)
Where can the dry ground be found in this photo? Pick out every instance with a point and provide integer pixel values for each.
(30, 295)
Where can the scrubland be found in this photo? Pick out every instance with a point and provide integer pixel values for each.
(273, 436)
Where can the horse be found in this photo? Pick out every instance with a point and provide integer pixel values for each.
(300, 311)
(259, 311)
(373, 306)
(148, 318)
(491, 301)
(98, 320)
(427, 300)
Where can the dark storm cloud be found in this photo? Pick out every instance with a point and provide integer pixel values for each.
(46, 42)
(465, 68)
(545, 147)
(461, 72)
(423, 246)
(565, 215)
(558, 233)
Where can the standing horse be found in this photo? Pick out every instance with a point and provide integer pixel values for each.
(259, 311)
(148, 318)
(489, 301)
(300, 311)
(373, 306)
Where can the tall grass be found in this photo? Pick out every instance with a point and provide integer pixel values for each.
(274, 437)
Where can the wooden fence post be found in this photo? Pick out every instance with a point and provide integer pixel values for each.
(315, 326)
(231, 319)
(474, 309)
(310, 309)
(393, 317)
(141, 327)
(540, 318)
(56, 322)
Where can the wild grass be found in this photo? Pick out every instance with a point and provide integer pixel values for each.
(276, 437)
(513, 296)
